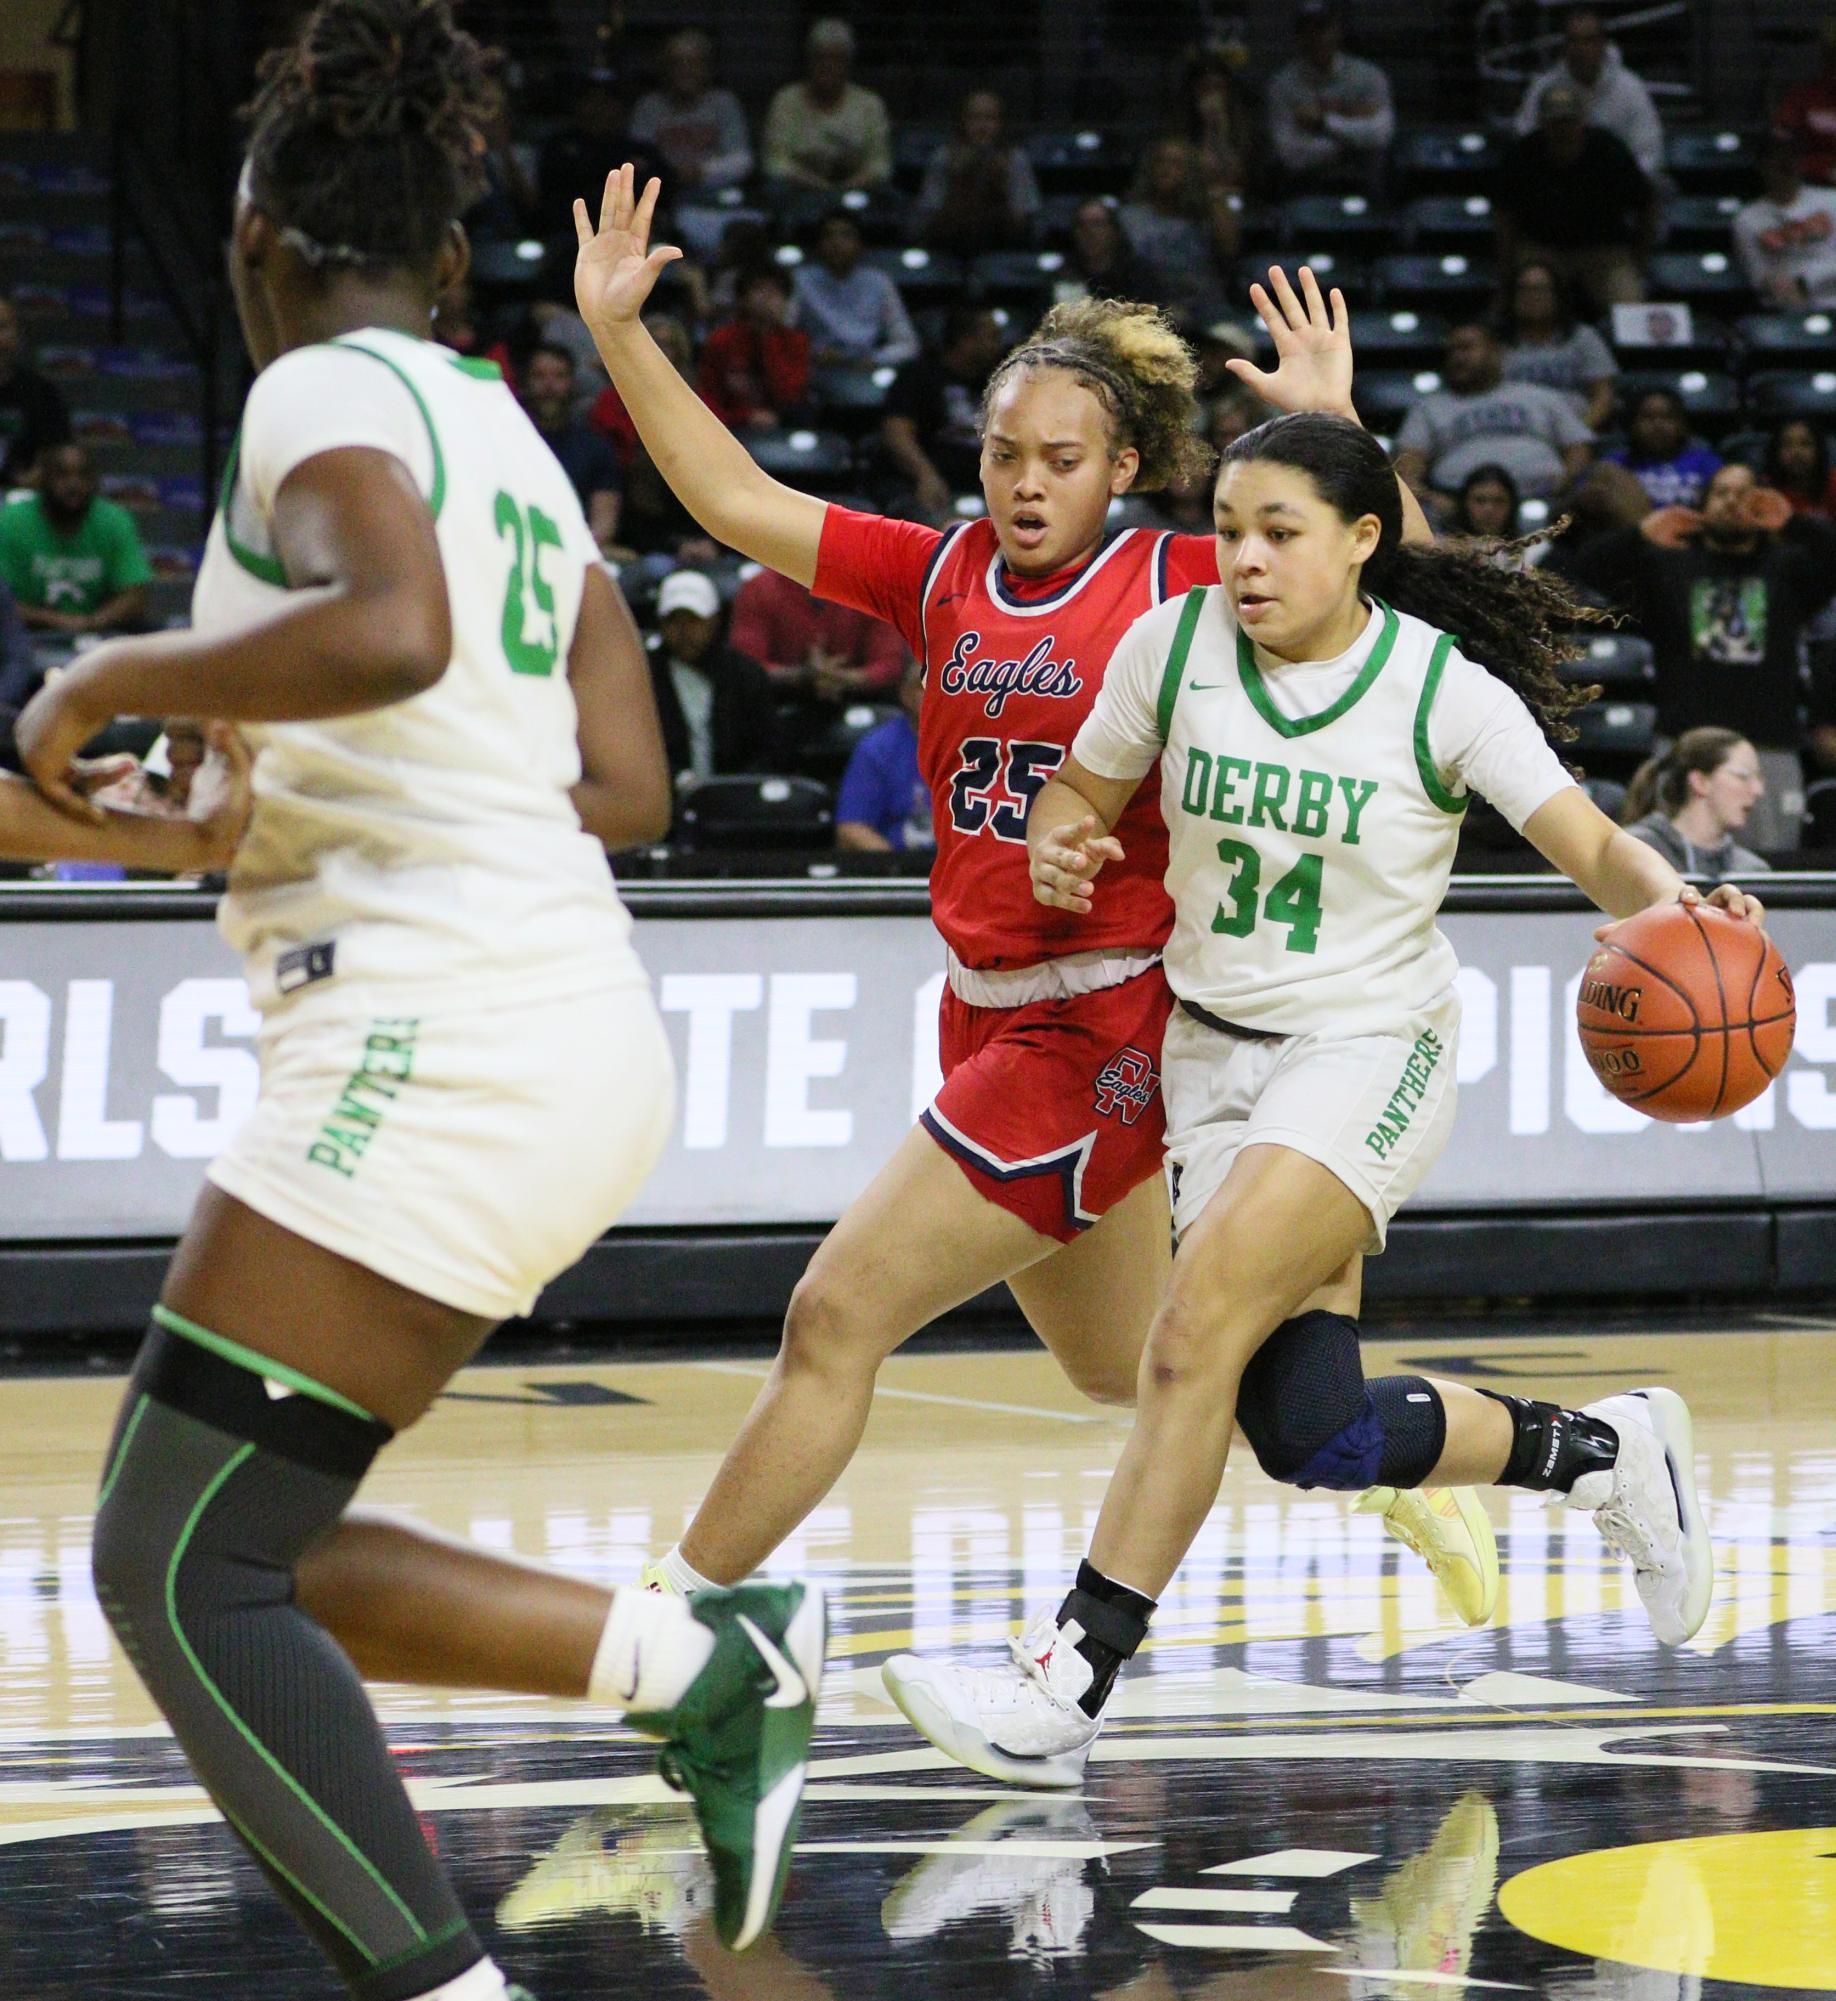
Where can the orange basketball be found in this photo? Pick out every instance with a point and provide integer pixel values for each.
(1687, 1014)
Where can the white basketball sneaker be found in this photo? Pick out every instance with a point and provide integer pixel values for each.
(1019, 1722)
(1645, 1507)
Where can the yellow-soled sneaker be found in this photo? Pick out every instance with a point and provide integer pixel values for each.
(1449, 1530)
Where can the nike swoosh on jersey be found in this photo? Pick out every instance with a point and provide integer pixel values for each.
(1203, 687)
(790, 1688)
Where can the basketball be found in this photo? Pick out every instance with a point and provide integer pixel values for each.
(1687, 1014)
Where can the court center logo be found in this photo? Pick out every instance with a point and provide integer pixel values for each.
(1126, 1084)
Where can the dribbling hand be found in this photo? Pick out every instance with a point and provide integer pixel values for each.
(616, 269)
(1065, 864)
(1724, 896)
(1312, 336)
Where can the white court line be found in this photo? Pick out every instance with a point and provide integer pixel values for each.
(1246, 1903)
(925, 1396)
(1423, 1979)
(1237, 1938)
(1311, 1862)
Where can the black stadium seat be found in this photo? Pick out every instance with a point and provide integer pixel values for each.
(1020, 279)
(1707, 278)
(1619, 661)
(1351, 223)
(1775, 393)
(1700, 222)
(1616, 729)
(924, 277)
(1440, 223)
(1810, 336)
(1439, 159)
(1449, 282)
(752, 810)
(1386, 396)
(1717, 161)
(1713, 401)
(817, 462)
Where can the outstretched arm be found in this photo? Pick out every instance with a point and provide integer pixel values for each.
(1313, 370)
(706, 466)
(1619, 872)
(173, 843)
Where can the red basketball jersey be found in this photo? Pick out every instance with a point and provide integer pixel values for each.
(1012, 666)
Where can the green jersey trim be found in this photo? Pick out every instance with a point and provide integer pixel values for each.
(477, 367)
(1175, 670)
(436, 497)
(1449, 802)
(1256, 689)
(266, 568)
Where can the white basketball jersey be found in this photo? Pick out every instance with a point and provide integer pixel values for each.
(1308, 855)
(431, 844)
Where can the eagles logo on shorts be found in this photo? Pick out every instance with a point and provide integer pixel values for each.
(1126, 1085)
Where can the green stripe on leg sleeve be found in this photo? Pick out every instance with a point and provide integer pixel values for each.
(257, 1365)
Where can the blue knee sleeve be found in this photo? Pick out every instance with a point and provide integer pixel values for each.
(1313, 1421)
(1350, 1460)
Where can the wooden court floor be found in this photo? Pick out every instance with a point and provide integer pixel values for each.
(1315, 1785)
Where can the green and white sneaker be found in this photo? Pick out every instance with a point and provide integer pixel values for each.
(738, 1742)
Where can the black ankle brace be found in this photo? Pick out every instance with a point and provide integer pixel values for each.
(1114, 1622)
(1553, 1448)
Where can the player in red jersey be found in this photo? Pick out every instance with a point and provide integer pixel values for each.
(1040, 1161)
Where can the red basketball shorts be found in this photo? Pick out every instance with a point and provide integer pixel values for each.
(1054, 1110)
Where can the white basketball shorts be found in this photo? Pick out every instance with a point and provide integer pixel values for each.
(1374, 1110)
(470, 1154)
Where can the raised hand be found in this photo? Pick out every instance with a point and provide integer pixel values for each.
(1312, 336)
(1065, 864)
(616, 269)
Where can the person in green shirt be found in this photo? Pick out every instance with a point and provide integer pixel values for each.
(72, 560)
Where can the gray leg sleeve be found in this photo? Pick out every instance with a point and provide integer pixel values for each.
(215, 1487)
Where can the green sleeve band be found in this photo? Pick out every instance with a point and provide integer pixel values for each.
(436, 495)
(1175, 670)
(257, 1365)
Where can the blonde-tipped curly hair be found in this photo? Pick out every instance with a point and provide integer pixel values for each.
(1132, 359)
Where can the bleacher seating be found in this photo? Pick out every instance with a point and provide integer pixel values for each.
(754, 810)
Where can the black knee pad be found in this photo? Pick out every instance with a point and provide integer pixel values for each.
(1302, 1403)
(1414, 1424)
(224, 1470)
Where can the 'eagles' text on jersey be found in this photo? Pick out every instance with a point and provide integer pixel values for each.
(1012, 666)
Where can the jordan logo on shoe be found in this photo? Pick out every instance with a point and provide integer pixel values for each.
(790, 1688)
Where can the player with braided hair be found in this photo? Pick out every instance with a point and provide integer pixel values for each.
(1040, 1161)
(464, 1077)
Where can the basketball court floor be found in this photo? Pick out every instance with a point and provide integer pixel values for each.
(1315, 1786)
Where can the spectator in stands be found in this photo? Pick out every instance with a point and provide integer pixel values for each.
(1570, 195)
(1725, 600)
(32, 409)
(1487, 505)
(1217, 118)
(1797, 465)
(714, 703)
(1692, 799)
(1331, 119)
(1100, 263)
(852, 313)
(755, 366)
(1786, 240)
(883, 803)
(509, 205)
(745, 244)
(586, 456)
(576, 160)
(1808, 110)
(932, 426)
(698, 128)
(1672, 466)
(1236, 411)
(979, 190)
(1544, 342)
(1612, 99)
(1480, 419)
(456, 325)
(828, 132)
(1179, 221)
(73, 561)
(812, 647)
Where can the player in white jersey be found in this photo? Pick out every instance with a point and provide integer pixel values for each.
(463, 1077)
(1318, 733)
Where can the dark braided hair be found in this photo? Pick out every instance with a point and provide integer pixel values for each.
(364, 141)
(1131, 358)
(1518, 623)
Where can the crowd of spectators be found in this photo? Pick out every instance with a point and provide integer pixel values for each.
(848, 286)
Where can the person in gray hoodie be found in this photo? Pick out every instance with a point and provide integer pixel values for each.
(1611, 95)
(1692, 800)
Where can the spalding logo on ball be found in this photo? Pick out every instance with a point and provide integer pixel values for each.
(1688, 1013)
